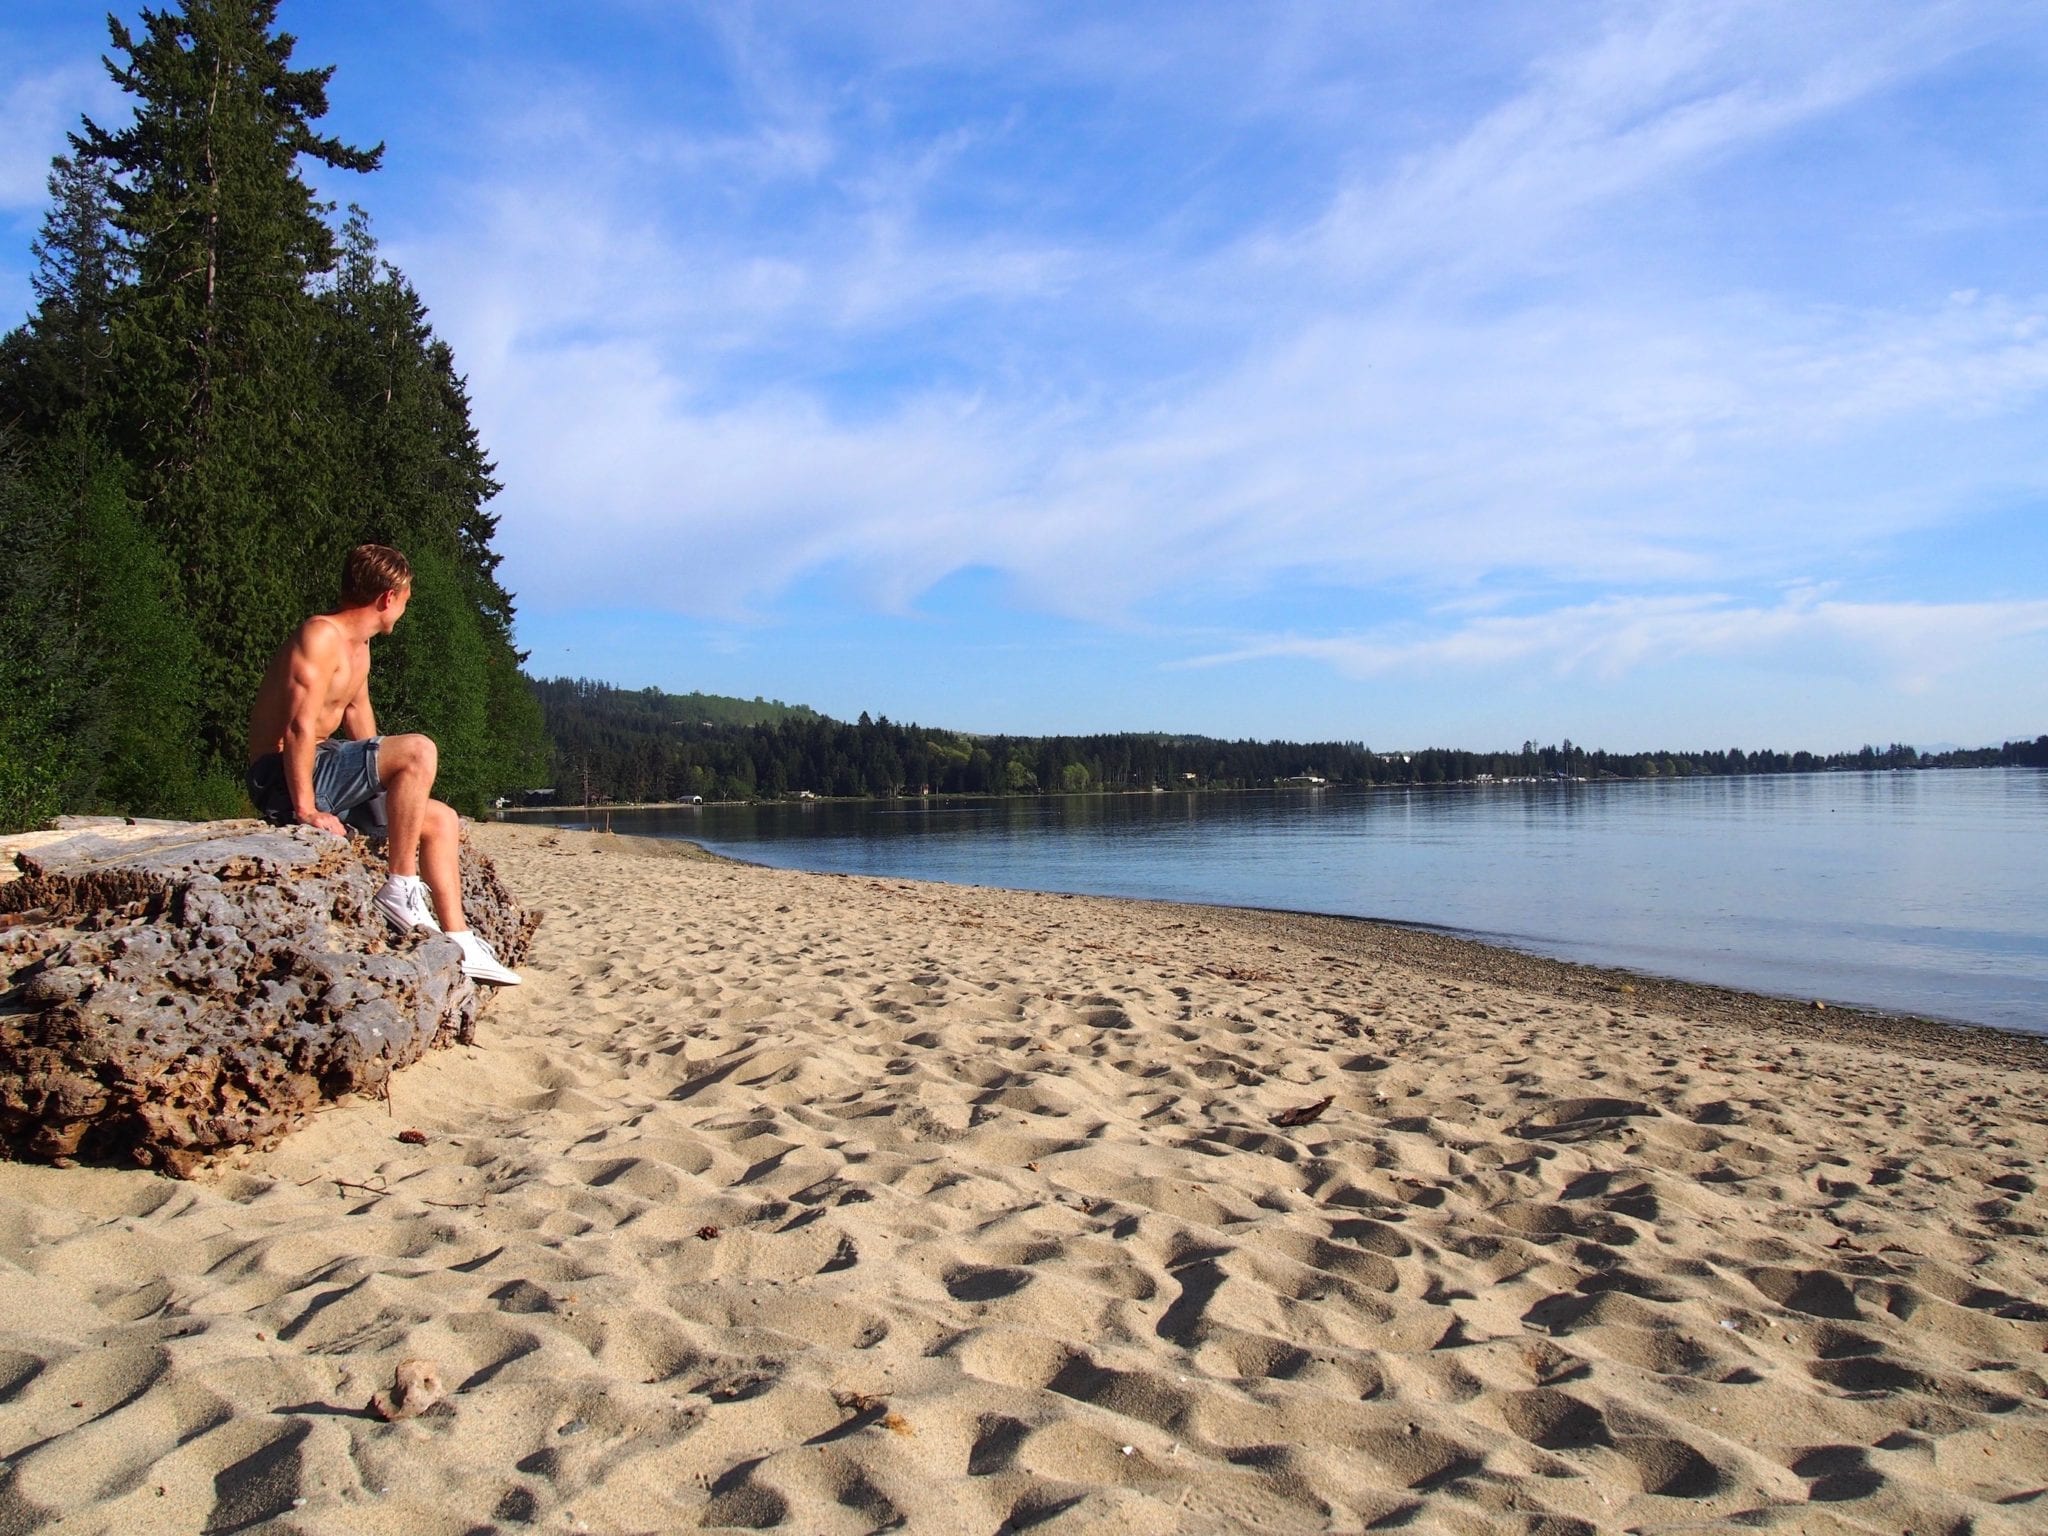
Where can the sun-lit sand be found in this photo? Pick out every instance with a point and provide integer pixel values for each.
(845, 1205)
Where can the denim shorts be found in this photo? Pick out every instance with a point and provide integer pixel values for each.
(344, 777)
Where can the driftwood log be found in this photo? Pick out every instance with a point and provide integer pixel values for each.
(174, 990)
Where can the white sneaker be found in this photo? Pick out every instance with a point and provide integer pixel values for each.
(479, 964)
(406, 903)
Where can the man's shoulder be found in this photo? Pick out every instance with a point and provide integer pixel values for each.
(320, 632)
(319, 641)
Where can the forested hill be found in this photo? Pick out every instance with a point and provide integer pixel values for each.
(624, 745)
(620, 743)
(220, 392)
(577, 710)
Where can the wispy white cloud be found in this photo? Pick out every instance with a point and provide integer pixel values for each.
(588, 223)
(1577, 443)
(1564, 445)
(1654, 95)
(871, 386)
(738, 503)
(36, 112)
(1914, 645)
(1157, 310)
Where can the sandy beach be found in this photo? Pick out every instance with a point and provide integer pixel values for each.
(831, 1204)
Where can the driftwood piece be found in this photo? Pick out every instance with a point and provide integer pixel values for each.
(177, 989)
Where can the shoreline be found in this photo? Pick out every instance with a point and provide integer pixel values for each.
(840, 1203)
(1477, 958)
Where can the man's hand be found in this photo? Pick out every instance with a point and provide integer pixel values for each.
(326, 821)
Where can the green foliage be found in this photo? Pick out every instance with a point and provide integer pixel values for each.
(425, 678)
(96, 682)
(573, 705)
(217, 397)
(519, 742)
(60, 366)
(33, 751)
(28, 767)
(614, 744)
(131, 658)
(214, 401)
(418, 478)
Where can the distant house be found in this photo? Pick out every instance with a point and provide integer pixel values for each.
(1303, 781)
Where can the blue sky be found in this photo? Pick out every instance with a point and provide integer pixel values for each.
(1648, 374)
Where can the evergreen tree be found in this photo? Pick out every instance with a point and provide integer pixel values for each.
(219, 395)
(33, 752)
(416, 476)
(214, 401)
(59, 365)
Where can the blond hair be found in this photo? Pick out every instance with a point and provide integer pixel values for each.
(369, 572)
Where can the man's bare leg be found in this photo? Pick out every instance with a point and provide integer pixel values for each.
(425, 844)
(406, 766)
(440, 860)
(424, 837)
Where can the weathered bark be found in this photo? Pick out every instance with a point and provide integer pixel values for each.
(176, 989)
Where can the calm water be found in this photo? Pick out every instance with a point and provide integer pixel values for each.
(1916, 892)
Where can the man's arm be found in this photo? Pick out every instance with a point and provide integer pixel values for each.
(317, 655)
(358, 720)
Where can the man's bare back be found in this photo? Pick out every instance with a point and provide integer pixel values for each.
(321, 670)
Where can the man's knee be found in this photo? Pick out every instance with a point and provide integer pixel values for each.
(441, 820)
(408, 754)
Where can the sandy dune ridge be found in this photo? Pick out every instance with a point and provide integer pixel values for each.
(835, 1204)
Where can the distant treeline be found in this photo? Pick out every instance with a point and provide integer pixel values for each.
(624, 745)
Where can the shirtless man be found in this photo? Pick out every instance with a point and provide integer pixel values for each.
(299, 774)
